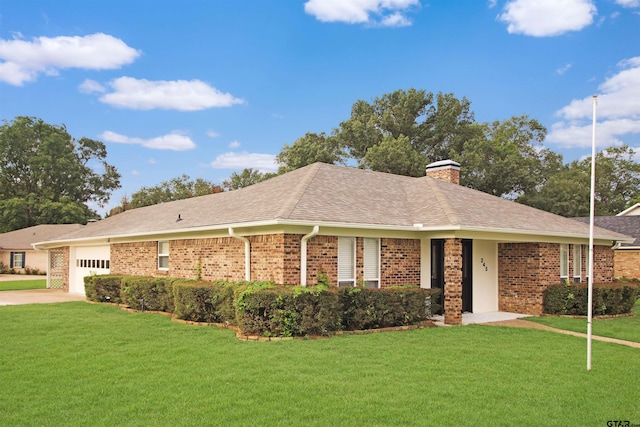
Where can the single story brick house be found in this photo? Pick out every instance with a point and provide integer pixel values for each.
(16, 252)
(626, 255)
(357, 228)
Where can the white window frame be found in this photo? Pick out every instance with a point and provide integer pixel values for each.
(371, 259)
(577, 262)
(346, 261)
(564, 261)
(163, 255)
(17, 259)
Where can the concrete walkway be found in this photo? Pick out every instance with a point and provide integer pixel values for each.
(520, 323)
(37, 296)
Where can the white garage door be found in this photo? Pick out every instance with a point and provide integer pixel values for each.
(86, 261)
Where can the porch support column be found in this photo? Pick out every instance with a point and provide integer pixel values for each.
(453, 281)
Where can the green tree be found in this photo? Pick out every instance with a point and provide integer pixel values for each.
(310, 148)
(567, 192)
(506, 158)
(47, 176)
(434, 125)
(246, 178)
(397, 156)
(175, 189)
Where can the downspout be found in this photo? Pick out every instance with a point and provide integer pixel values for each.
(303, 254)
(247, 254)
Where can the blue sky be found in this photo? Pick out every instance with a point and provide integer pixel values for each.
(205, 88)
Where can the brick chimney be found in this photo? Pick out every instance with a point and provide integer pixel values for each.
(446, 170)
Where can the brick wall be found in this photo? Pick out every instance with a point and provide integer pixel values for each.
(322, 257)
(399, 262)
(525, 270)
(450, 175)
(453, 281)
(135, 259)
(274, 257)
(66, 254)
(627, 264)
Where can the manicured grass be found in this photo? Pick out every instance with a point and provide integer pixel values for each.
(624, 328)
(18, 285)
(83, 364)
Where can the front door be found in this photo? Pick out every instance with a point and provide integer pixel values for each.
(467, 275)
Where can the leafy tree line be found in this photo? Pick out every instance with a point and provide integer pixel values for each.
(48, 177)
(403, 131)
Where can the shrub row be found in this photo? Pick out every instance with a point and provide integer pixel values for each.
(608, 299)
(262, 308)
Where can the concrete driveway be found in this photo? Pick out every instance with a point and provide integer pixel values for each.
(34, 296)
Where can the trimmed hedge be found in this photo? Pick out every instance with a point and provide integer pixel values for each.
(262, 308)
(382, 308)
(199, 301)
(103, 288)
(608, 299)
(289, 311)
(148, 293)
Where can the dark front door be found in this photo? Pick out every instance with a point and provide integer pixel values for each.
(467, 275)
(437, 272)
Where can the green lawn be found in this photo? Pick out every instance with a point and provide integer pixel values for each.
(83, 364)
(18, 285)
(624, 328)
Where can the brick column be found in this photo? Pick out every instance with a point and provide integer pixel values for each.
(453, 281)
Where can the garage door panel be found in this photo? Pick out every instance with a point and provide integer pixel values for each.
(87, 261)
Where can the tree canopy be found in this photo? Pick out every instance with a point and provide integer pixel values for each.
(175, 189)
(47, 176)
(403, 131)
(245, 178)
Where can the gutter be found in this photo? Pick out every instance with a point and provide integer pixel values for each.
(247, 253)
(303, 254)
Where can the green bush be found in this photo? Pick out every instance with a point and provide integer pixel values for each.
(289, 311)
(148, 293)
(608, 299)
(382, 308)
(199, 301)
(103, 288)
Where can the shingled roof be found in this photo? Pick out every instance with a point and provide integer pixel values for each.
(629, 225)
(22, 239)
(322, 194)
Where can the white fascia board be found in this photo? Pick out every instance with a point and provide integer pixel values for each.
(528, 235)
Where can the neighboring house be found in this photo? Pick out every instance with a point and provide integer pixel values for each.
(357, 227)
(626, 259)
(16, 252)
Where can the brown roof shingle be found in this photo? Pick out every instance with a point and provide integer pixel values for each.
(322, 193)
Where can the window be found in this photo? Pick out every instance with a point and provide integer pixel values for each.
(163, 255)
(17, 260)
(577, 262)
(564, 262)
(346, 261)
(372, 263)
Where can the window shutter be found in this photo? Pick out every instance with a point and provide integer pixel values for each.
(10, 259)
(371, 259)
(346, 255)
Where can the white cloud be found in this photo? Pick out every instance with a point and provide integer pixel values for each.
(243, 160)
(543, 18)
(628, 3)
(492, 3)
(175, 141)
(212, 134)
(23, 61)
(563, 69)
(234, 144)
(183, 95)
(91, 86)
(618, 111)
(388, 13)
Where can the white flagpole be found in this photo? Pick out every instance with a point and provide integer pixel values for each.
(591, 220)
